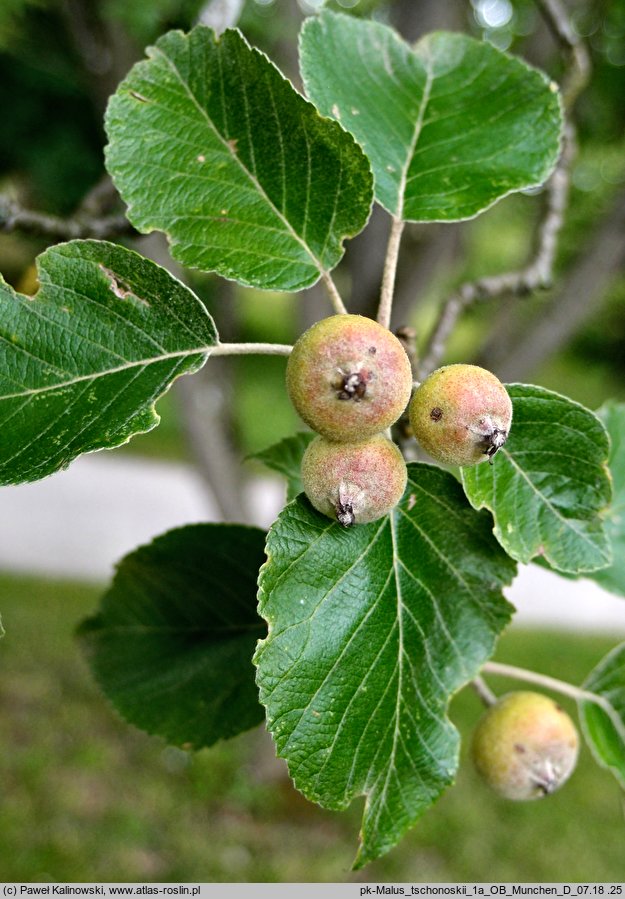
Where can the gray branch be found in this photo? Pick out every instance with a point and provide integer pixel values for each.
(578, 68)
(537, 273)
(14, 217)
(577, 299)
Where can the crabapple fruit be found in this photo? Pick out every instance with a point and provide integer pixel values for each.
(349, 377)
(525, 746)
(461, 414)
(354, 483)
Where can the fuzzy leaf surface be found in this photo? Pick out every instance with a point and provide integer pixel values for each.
(209, 143)
(450, 126)
(613, 578)
(371, 630)
(285, 457)
(172, 643)
(549, 486)
(604, 729)
(83, 362)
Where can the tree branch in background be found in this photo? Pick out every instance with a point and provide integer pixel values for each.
(539, 271)
(578, 68)
(576, 300)
(14, 217)
(537, 274)
(202, 404)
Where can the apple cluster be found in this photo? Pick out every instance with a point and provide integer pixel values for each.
(350, 379)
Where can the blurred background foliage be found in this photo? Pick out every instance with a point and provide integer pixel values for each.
(86, 798)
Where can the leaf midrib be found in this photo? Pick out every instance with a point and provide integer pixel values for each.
(567, 522)
(429, 78)
(61, 385)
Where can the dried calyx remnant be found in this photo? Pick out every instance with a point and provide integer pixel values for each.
(461, 415)
(352, 385)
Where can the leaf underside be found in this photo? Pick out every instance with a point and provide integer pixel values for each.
(209, 143)
(171, 646)
(450, 126)
(613, 578)
(83, 362)
(371, 630)
(548, 488)
(605, 733)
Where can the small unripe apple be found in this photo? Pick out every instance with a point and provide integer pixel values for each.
(525, 746)
(461, 414)
(349, 377)
(354, 483)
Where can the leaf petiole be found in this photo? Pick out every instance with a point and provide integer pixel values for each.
(390, 270)
(558, 686)
(241, 349)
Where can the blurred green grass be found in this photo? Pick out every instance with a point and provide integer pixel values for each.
(85, 797)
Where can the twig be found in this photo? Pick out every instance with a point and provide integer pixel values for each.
(580, 292)
(98, 200)
(390, 271)
(578, 69)
(537, 274)
(333, 293)
(558, 686)
(483, 691)
(240, 349)
(14, 217)
(204, 406)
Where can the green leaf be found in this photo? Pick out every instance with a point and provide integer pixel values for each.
(604, 727)
(171, 646)
(371, 630)
(211, 144)
(549, 486)
(613, 578)
(83, 362)
(285, 457)
(450, 126)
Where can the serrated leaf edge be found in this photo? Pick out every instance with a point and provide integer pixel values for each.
(599, 514)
